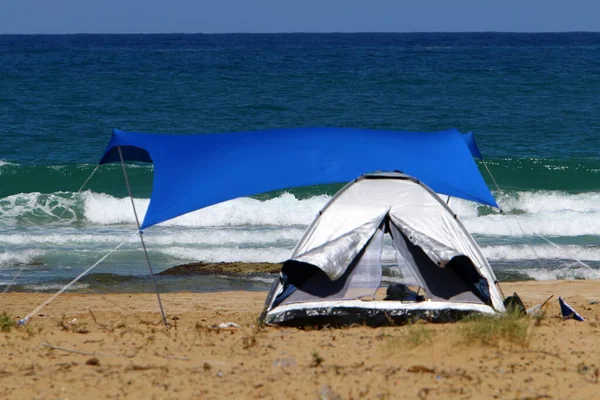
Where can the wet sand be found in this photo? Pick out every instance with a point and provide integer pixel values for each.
(114, 346)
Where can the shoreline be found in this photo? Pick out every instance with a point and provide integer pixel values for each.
(195, 277)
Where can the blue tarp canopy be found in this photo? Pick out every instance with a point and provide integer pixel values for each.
(196, 171)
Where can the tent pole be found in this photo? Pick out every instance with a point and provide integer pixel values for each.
(162, 311)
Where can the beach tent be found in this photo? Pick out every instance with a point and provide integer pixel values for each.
(335, 270)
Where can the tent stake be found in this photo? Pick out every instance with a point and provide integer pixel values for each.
(162, 311)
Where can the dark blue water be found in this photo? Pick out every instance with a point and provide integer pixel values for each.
(531, 99)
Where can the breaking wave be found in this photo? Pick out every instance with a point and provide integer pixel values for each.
(164, 237)
(103, 209)
(541, 252)
(21, 257)
(534, 213)
(543, 274)
(3, 163)
(229, 254)
(285, 210)
(525, 213)
(253, 230)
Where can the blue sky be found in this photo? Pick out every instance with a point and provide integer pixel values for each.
(219, 16)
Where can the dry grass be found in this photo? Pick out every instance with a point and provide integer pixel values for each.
(418, 334)
(6, 322)
(316, 359)
(492, 330)
(414, 335)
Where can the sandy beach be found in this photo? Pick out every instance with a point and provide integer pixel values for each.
(114, 346)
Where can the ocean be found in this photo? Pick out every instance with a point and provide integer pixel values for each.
(531, 99)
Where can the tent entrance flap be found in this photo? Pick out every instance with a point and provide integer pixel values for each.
(361, 279)
(440, 283)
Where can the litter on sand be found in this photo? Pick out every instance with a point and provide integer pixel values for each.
(568, 312)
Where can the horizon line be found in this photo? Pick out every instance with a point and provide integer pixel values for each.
(297, 33)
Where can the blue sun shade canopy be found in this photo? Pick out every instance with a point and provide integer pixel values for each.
(196, 171)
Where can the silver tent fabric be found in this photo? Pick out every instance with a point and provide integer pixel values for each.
(338, 238)
(362, 280)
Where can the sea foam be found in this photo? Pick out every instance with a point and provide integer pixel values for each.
(285, 210)
(51, 287)
(543, 274)
(540, 252)
(545, 213)
(229, 254)
(37, 208)
(525, 213)
(11, 258)
(3, 163)
(534, 213)
(164, 237)
(252, 230)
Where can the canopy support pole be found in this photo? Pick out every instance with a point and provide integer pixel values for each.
(162, 311)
